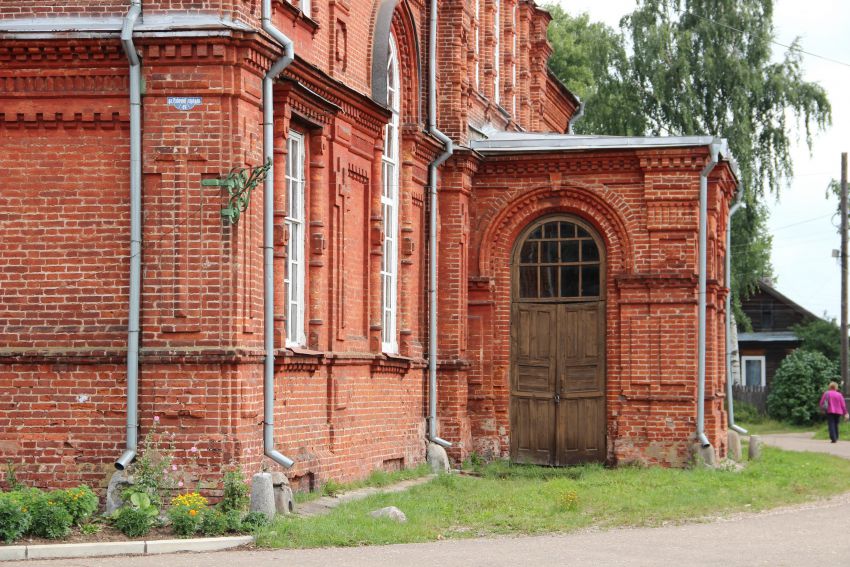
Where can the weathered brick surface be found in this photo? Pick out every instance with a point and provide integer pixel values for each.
(342, 407)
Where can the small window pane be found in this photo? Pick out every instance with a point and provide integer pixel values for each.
(528, 281)
(548, 281)
(589, 251)
(528, 255)
(550, 230)
(590, 280)
(569, 251)
(549, 252)
(569, 281)
(568, 230)
(537, 234)
(582, 233)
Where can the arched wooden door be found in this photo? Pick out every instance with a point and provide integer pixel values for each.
(558, 344)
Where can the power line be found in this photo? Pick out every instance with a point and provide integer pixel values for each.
(773, 41)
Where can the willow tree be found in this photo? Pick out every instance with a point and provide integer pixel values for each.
(703, 67)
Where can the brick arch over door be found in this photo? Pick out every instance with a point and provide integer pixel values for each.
(602, 210)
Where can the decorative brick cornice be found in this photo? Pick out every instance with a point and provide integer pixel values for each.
(85, 120)
(81, 82)
(577, 164)
(59, 54)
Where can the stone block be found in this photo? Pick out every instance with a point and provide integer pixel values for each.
(733, 445)
(262, 495)
(437, 458)
(13, 552)
(755, 447)
(118, 482)
(283, 501)
(390, 512)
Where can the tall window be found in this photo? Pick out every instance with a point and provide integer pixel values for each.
(294, 280)
(497, 31)
(477, 43)
(389, 203)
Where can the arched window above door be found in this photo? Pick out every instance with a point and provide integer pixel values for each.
(559, 259)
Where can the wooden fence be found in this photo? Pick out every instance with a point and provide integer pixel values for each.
(753, 395)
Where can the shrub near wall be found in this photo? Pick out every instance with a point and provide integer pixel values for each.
(798, 385)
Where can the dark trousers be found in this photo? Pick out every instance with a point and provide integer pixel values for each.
(832, 420)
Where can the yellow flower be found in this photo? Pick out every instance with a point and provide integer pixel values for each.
(193, 512)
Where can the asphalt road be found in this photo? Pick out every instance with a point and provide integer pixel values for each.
(812, 534)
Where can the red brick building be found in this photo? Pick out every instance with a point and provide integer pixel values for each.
(567, 267)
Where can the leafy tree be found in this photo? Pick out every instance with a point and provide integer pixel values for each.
(699, 67)
(797, 386)
(820, 336)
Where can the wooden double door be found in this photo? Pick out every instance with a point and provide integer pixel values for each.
(558, 383)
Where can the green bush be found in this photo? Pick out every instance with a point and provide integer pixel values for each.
(236, 491)
(137, 517)
(214, 522)
(80, 502)
(187, 513)
(233, 521)
(50, 519)
(14, 518)
(253, 521)
(747, 413)
(797, 386)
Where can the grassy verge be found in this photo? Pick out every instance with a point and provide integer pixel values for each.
(376, 479)
(766, 426)
(528, 500)
(822, 432)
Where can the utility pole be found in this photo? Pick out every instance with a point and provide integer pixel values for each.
(844, 380)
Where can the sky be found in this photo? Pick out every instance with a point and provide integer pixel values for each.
(802, 220)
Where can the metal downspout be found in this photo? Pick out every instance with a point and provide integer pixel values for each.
(714, 150)
(575, 118)
(730, 404)
(129, 455)
(268, 234)
(433, 177)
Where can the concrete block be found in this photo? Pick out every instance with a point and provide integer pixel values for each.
(199, 544)
(118, 482)
(262, 495)
(437, 458)
(733, 445)
(283, 501)
(755, 447)
(69, 550)
(390, 512)
(13, 552)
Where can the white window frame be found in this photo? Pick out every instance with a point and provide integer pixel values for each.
(497, 31)
(295, 222)
(304, 6)
(762, 360)
(389, 207)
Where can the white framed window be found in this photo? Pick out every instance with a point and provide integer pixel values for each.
(389, 205)
(753, 371)
(497, 31)
(477, 47)
(303, 5)
(295, 246)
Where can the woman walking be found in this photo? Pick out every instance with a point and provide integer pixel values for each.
(833, 403)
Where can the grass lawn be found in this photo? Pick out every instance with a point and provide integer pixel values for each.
(765, 426)
(530, 500)
(376, 479)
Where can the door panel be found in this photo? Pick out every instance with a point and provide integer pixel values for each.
(533, 383)
(581, 384)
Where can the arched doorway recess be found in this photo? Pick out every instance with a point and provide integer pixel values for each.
(558, 343)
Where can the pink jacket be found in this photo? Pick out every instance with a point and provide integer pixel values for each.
(835, 401)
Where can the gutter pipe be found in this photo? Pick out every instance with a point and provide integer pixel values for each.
(268, 233)
(714, 150)
(730, 403)
(129, 454)
(576, 117)
(433, 179)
